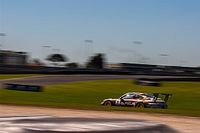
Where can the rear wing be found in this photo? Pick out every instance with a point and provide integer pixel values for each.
(166, 96)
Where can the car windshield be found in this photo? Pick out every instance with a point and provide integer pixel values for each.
(127, 96)
(148, 95)
(131, 96)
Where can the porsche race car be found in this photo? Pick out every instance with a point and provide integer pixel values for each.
(139, 100)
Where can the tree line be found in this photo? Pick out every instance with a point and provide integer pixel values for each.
(96, 61)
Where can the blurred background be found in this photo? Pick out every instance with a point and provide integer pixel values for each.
(135, 37)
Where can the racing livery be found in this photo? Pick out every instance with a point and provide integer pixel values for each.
(139, 100)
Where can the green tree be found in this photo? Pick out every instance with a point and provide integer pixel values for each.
(57, 58)
(96, 61)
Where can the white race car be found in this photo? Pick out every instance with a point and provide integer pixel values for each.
(139, 100)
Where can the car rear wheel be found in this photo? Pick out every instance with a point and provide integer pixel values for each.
(107, 103)
(139, 105)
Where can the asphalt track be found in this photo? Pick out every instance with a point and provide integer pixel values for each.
(57, 79)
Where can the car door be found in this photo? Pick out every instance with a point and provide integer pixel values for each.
(128, 100)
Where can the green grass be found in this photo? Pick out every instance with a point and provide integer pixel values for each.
(88, 95)
(10, 76)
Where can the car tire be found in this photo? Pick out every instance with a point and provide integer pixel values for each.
(139, 105)
(108, 103)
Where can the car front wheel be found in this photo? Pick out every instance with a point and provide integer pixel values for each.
(108, 103)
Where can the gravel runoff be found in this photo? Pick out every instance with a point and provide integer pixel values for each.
(46, 124)
(181, 124)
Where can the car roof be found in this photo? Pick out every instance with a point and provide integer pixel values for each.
(138, 93)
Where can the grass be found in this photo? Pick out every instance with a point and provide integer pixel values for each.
(88, 95)
(10, 76)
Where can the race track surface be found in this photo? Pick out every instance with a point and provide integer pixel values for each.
(57, 79)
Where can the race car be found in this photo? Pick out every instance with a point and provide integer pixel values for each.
(139, 100)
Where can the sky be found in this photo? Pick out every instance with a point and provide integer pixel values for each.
(133, 31)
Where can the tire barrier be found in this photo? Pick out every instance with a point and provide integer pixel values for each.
(20, 87)
(147, 82)
(156, 81)
(171, 78)
(193, 79)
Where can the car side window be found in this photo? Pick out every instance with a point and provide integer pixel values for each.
(137, 97)
(128, 96)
